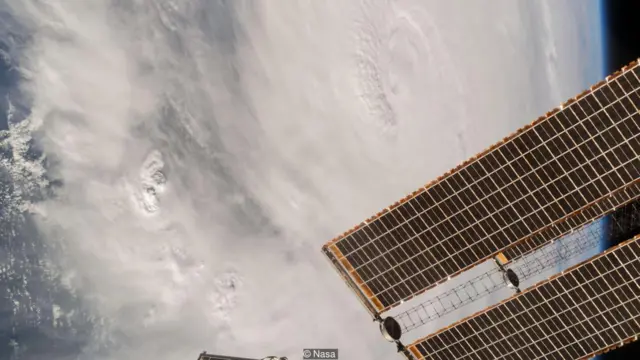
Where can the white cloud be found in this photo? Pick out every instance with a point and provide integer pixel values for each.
(277, 128)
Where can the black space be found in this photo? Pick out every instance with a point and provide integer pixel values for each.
(621, 33)
(622, 46)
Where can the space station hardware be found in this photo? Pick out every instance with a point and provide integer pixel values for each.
(543, 184)
(621, 225)
(205, 356)
(600, 310)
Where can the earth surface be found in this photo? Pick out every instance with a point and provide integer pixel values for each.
(170, 169)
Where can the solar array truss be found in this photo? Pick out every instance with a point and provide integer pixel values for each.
(575, 164)
(584, 311)
(624, 223)
(493, 280)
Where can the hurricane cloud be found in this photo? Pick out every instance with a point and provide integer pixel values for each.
(203, 151)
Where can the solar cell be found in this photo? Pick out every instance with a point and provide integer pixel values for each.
(586, 310)
(573, 165)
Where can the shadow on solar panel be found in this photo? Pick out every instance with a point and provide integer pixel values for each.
(538, 202)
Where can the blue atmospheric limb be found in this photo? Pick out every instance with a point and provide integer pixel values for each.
(598, 21)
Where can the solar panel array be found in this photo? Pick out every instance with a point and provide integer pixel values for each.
(587, 310)
(586, 239)
(596, 210)
(567, 168)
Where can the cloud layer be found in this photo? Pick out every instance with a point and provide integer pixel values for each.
(206, 150)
